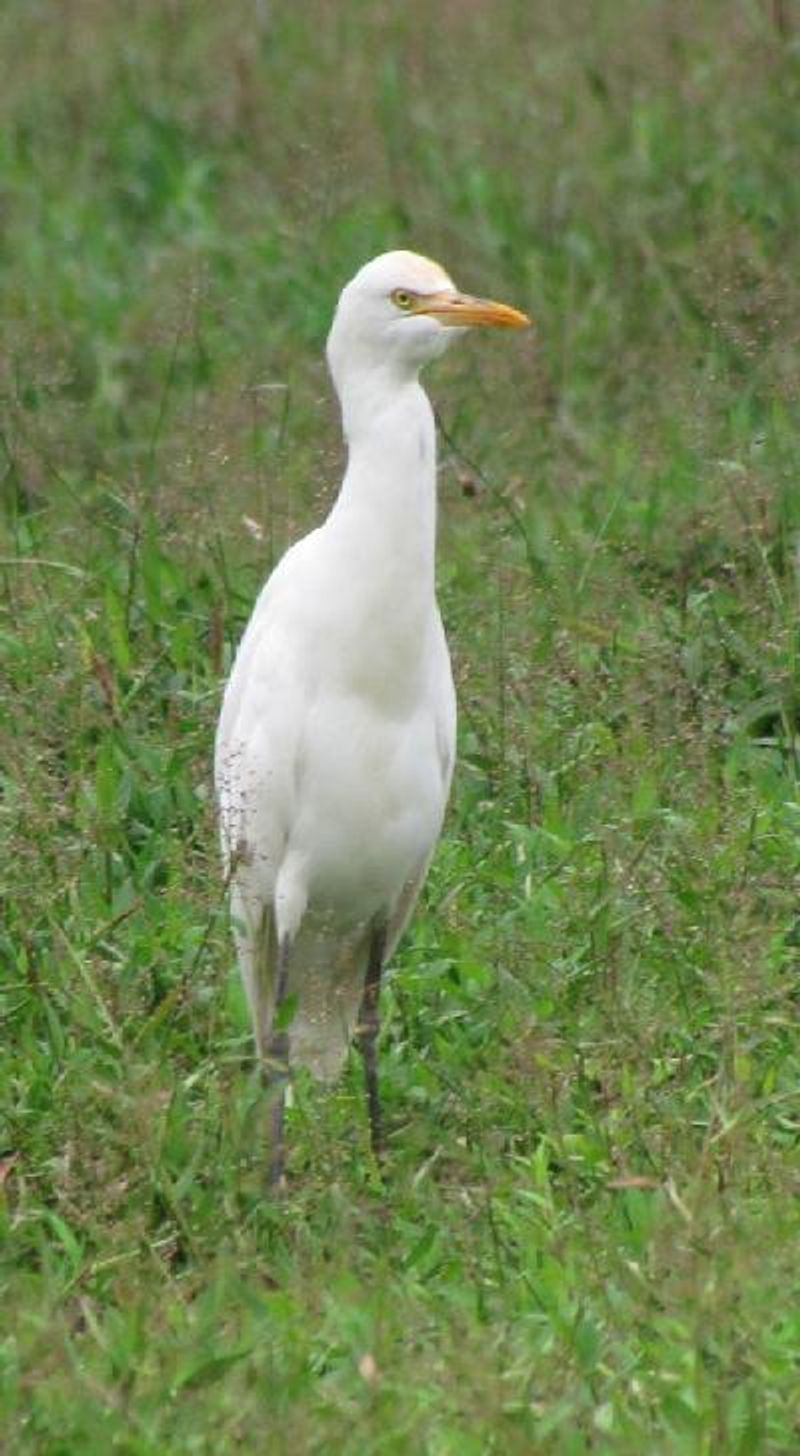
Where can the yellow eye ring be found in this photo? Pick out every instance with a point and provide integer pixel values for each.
(402, 299)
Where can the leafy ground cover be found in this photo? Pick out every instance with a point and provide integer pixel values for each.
(586, 1239)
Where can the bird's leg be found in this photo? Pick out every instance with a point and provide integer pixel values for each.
(367, 1034)
(277, 1072)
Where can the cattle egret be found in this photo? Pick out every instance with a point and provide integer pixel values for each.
(336, 739)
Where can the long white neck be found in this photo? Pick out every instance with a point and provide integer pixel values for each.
(382, 538)
(388, 496)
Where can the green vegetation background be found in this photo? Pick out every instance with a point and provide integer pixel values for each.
(587, 1237)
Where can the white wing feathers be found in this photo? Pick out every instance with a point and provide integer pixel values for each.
(329, 817)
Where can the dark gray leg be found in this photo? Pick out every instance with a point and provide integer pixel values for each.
(277, 1073)
(367, 1034)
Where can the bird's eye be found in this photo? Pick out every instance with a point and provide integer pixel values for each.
(401, 298)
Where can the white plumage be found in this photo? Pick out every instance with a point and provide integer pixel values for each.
(336, 740)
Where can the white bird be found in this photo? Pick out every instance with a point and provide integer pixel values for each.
(336, 739)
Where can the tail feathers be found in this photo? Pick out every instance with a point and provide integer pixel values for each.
(326, 973)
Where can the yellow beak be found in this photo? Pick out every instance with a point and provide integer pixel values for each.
(460, 310)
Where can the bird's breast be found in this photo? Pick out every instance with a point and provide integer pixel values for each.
(370, 802)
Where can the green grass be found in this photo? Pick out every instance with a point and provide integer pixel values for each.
(587, 1235)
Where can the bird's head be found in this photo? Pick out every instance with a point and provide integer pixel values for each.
(402, 310)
